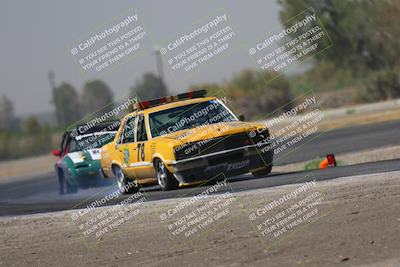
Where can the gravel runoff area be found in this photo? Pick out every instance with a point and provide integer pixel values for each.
(351, 221)
(364, 156)
(10, 170)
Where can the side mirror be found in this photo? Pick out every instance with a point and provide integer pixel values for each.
(241, 117)
(57, 152)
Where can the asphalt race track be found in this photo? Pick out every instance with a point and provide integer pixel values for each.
(40, 193)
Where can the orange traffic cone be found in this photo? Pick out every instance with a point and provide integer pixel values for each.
(324, 164)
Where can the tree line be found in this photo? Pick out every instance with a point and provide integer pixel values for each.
(28, 137)
(365, 51)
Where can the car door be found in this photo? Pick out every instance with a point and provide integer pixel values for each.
(126, 146)
(63, 148)
(143, 165)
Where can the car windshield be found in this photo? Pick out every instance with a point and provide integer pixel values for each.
(188, 116)
(95, 140)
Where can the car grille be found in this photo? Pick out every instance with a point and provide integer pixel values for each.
(208, 146)
(81, 165)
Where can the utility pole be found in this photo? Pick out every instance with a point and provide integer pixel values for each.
(51, 77)
(159, 65)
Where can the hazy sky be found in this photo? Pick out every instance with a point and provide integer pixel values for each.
(35, 36)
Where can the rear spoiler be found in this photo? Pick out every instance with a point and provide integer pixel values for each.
(108, 126)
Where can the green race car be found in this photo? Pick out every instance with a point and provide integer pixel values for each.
(78, 164)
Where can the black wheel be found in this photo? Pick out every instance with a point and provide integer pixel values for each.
(165, 179)
(61, 182)
(125, 185)
(263, 172)
(65, 186)
(71, 189)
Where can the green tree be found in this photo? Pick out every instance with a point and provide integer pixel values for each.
(213, 89)
(149, 87)
(254, 97)
(8, 120)
(31, 125)
(66, 103)
(248, 94)
(381, 85)
(97, 98)
(356, 29)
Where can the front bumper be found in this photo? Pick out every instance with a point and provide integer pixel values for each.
(87, 174)
(225, 163)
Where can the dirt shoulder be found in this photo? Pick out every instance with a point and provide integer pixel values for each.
(357, 223)
(17, 169)
(351, 116)
(363, 156)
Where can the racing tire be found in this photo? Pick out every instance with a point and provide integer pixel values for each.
(166, 180)
(263, 172)
(125, 185)
(71, 189)
(61, 183)
(65, 187)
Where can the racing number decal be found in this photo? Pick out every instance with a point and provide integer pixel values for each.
(140, 151)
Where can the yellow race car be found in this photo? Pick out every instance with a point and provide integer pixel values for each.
(184, 139)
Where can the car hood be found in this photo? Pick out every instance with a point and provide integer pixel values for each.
(212, 131)
(87, 155)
